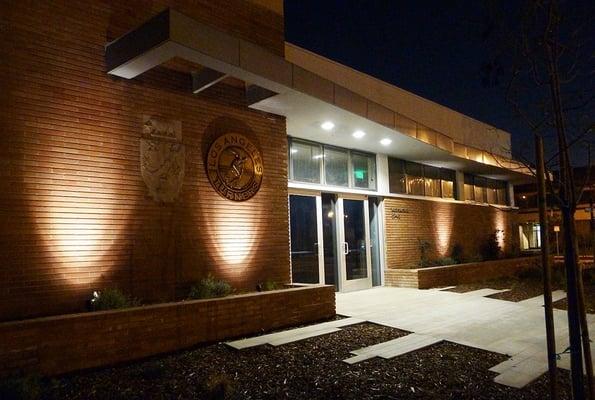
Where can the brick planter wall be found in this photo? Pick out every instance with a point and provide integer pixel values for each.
(55, 345)
(425, 278)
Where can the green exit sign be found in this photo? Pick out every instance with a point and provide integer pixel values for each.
(360, 174)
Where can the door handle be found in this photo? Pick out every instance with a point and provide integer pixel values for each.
(345, 248)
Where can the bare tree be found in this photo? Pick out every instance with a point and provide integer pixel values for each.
(545, 49)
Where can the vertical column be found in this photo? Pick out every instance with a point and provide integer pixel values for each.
(510, 193)
(382, 178)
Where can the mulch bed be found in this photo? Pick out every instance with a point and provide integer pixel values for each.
(589, 289)
(309, 369)
(529, 285)
(520, 289)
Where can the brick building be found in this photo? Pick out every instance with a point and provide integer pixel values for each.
(99, 95)
(528, 215)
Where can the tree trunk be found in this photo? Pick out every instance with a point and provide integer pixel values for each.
(547, 273)
(592, 230)
(574, 323)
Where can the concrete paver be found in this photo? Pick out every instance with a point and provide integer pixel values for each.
(470, 319)
(393, 348)
(294, 335)
(513, 329)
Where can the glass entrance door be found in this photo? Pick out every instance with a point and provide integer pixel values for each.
(355, 244)
(306, 248)
(330, 240)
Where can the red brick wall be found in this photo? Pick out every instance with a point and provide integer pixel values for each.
(240, 18)
(425, 278)
(54, 345)
(442, 224)
(75, 213)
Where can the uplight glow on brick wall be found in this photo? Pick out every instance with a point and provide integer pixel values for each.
(443, 220)
(83, 234)
(500, 225)
(234, 232)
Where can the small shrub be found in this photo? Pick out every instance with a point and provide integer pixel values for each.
(473, 258)
(490, 248)
(512, 249)
(457, 253)
(444, 261)
(21, 386)
(267, 286)
(111, 299)
(221, 289)
(424, 252)
(438, 262)
(210, 287)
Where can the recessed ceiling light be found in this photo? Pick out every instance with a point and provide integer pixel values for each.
(385, 141)
(327, 125)
(359, 134)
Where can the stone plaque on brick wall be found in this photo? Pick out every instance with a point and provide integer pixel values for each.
(162, 158)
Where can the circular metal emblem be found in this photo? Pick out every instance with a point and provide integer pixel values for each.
(234, 167)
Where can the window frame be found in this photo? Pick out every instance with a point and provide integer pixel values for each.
(322, 171)
(351, 170)
(323, 164)
(439, 174)
(485, 185)
(290, 161)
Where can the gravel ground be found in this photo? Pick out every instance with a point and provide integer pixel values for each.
(309, 369)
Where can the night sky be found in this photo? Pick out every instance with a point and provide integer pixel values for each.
(431, 48)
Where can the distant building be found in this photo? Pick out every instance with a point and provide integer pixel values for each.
(529, 227)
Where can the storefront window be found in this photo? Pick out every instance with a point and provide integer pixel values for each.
(415, 178)
(448, 177)
(530, 236)
(502, 194)
(305, 161)
(420, 180)
(484, 190)
(432, 181)
(396, 175)
(480, 190)
(336, 167)
(364, 170)
(308, 160)
(492, 195)
(469, 188)
(496, 192)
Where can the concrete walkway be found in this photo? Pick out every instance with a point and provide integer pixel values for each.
(513, 329)
(294, 335)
